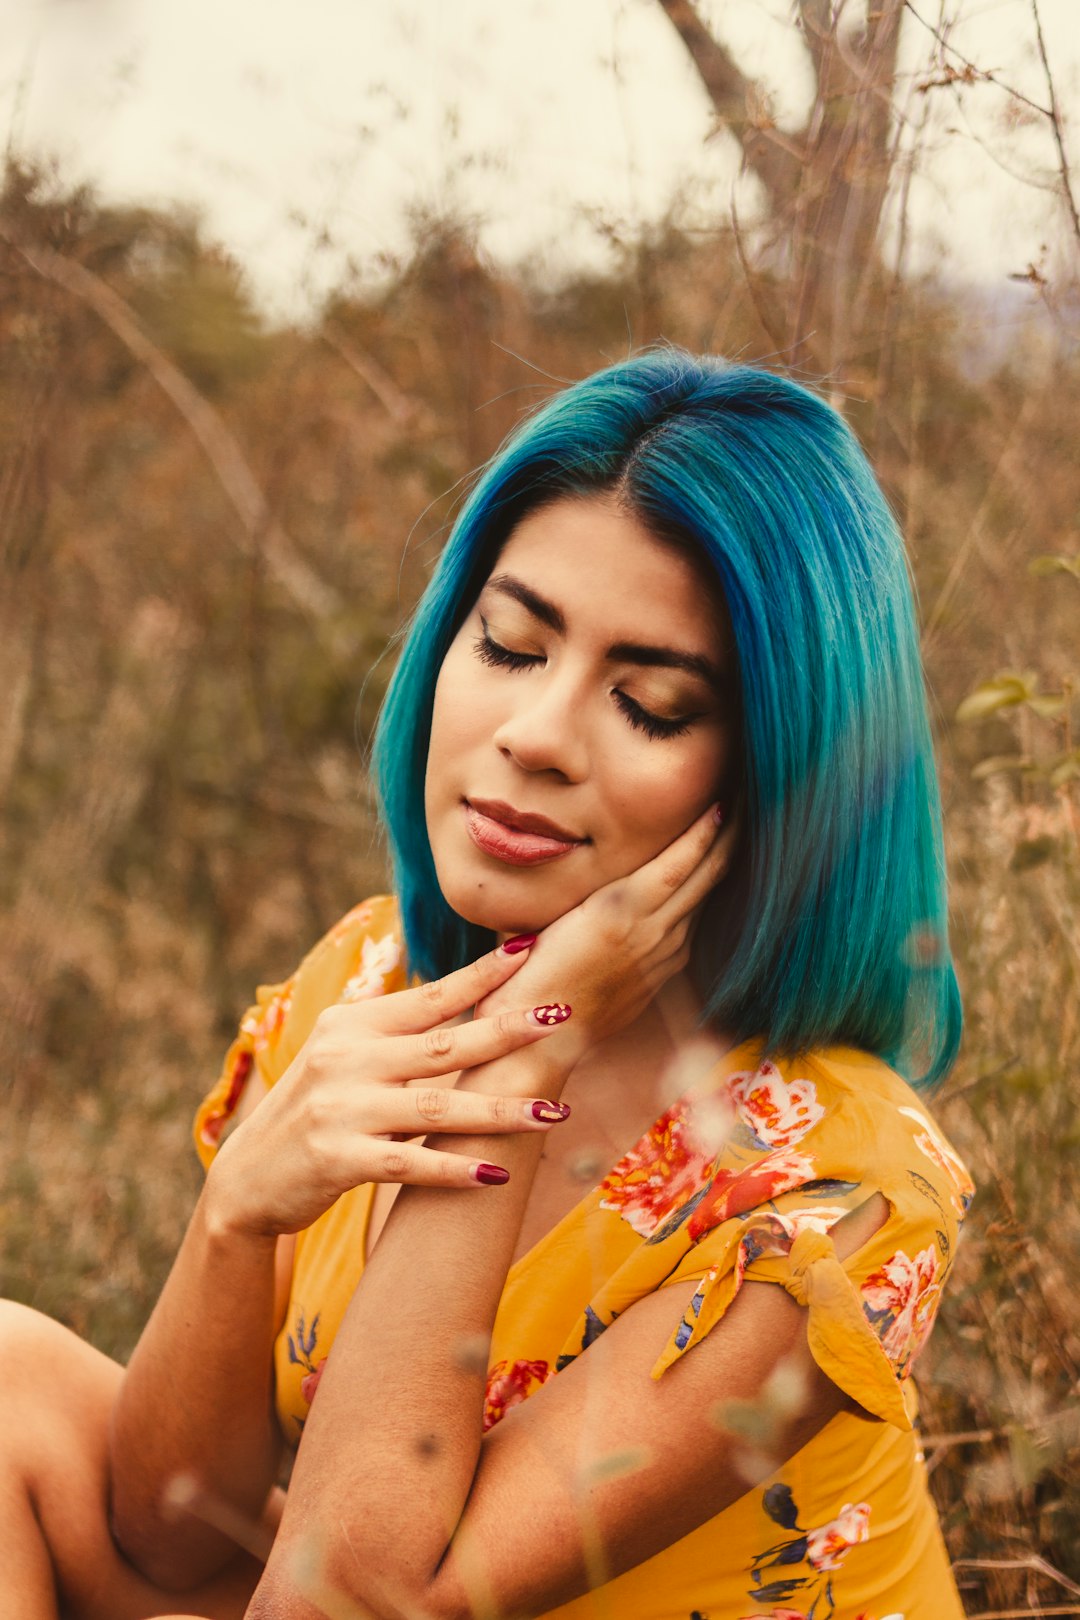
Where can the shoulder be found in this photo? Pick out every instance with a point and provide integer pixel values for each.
(361, 956)
(746, 1177)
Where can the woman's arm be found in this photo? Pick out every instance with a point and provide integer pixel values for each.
(388, 1469)
(397, 1502)
(196, 1403)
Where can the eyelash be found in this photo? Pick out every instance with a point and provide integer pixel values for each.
(499, 657)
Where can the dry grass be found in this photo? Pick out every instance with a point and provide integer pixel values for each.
(184, 806)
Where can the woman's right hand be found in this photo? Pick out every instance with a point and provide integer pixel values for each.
(339, 1113)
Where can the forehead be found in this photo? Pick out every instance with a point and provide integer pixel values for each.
(603, 568)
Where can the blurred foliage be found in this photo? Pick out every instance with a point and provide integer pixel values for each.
(182, 734)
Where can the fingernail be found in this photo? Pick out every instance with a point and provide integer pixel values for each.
(520, 942)
(553, 1012)
(718, 814)
(549, 1113)
(489, 1175)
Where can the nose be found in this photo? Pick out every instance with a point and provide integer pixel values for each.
(545, 730)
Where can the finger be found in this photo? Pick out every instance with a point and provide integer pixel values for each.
(701, 881)
(666, 873)
(415, 1111)
(433, 1003)
(449, 1047)
(411, 1165)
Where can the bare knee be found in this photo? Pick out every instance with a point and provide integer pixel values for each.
(52, 1374)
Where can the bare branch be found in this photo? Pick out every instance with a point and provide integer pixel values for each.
(737, 101)
(1055, 124)
(261, 530)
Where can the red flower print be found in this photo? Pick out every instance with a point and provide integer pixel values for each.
(733, 1192)
(777, 1112)
(212, 1126)
(509, 1383)
(310, 1382)
(900, 1301)
(660, 1173)
(828, 1546)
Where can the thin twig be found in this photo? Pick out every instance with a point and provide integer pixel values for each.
(1055, 121)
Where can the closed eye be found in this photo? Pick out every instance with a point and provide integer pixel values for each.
(492, 652)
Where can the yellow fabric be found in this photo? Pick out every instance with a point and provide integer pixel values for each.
(739, 1179)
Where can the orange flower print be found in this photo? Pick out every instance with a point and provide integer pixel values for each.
(733, 1192)
(508, 1384)
(777, 1112)
(931, 1142)
(900, 1300)
(829, 1544)
(664, 1169)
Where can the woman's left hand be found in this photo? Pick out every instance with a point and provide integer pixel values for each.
(610, 955)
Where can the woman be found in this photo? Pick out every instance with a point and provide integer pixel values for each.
(658, 728)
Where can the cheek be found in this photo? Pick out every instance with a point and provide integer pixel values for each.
(658, 800)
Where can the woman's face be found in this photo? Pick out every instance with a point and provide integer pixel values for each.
(584, 716)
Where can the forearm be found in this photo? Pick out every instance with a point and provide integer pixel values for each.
(196, 1403)
(397, 1426)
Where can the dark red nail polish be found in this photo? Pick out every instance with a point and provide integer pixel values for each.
(553, 1012)
(489, 1175)
(520, 942)
(718, 812)
(550, 1113)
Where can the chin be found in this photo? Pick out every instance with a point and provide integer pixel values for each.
(487, 904)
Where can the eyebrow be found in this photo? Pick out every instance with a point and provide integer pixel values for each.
(623, 652)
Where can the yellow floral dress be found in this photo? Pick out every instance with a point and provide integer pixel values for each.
(739, 1179)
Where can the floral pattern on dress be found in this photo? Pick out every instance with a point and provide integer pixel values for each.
(931, 1142)
(822, 1548)
(378, 959)
(776, 1112)
(660, 1173)
(302, 1342)
(900, 1301)
(734, 1192)
(508, 1384)
(258, 1028)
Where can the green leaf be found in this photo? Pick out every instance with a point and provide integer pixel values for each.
(997, 763)
(1056, 565)
(1047, 705)
(1068, 770)
(1005, 691)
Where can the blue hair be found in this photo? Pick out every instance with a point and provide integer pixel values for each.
(832, 927)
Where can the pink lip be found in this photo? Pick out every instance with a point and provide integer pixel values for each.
(519, 839)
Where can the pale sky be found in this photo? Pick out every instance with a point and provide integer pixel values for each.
(305, 130)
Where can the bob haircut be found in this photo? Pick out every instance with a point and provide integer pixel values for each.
(832, 926)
